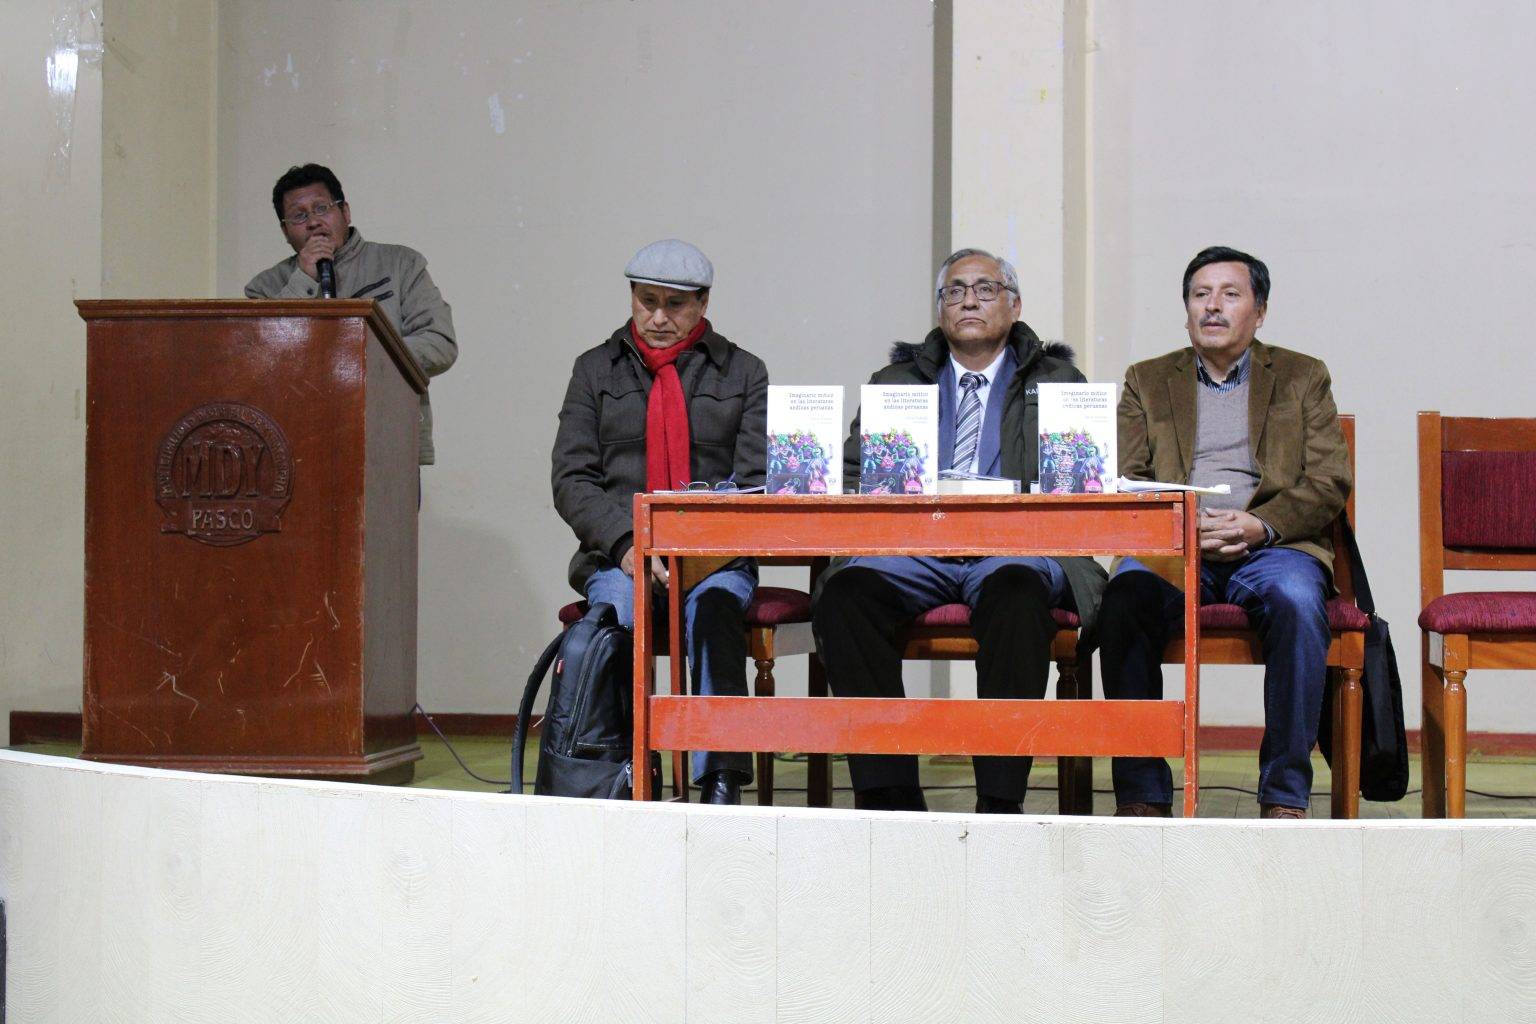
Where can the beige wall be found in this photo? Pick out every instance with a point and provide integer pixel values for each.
(158, 176)
(50, 209)
(1007, 126)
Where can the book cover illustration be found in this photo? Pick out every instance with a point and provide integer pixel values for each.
(899, 439)
(805, 427)
(1077, 438)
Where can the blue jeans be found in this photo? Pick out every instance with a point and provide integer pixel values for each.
(1284, 592)
(713, 632)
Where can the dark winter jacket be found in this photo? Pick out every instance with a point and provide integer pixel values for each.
(1019, 431)
(598, 463)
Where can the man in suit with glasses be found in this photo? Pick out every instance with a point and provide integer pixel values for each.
(987, 364)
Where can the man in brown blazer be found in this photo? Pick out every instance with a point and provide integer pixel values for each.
(1261, 419)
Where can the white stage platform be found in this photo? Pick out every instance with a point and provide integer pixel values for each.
(142, 895)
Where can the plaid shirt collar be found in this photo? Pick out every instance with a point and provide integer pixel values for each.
(1234, 379)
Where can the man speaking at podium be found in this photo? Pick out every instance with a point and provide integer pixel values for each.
(331, 260)
(987, 364)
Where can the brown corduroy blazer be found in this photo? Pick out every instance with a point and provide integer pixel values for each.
(1293, 433)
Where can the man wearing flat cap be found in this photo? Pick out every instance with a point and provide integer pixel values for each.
(664, 402)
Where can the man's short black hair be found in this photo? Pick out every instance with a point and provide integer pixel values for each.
(298, 177)
(1258, 273)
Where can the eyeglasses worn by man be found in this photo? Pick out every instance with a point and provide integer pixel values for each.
(316, 220)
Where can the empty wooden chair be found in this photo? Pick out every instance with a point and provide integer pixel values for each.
(1477, 510)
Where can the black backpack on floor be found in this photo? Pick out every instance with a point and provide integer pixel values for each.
(585, 748)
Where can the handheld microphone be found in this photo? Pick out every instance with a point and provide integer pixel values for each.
(327, 271)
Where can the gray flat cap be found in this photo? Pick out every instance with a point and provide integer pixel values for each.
(672, 264)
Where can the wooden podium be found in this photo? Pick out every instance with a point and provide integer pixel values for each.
(251, 493)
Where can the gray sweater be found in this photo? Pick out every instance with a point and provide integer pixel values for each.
(1222, 454)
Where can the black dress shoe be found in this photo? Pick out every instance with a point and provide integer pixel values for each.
(1137, 809)
(996, 805)
(1282, 812)
(890, 798)
(721, 787)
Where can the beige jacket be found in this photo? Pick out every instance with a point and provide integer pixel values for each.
(396, 278)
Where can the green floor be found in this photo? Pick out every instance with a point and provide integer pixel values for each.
(949, 781)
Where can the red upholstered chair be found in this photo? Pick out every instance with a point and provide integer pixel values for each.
(944, 634)
(1226, 639)
(778, 624)
(1477, 510)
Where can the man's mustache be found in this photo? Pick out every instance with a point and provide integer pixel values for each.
(1215, 320)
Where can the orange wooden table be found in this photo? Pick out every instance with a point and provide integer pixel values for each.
(806, 527)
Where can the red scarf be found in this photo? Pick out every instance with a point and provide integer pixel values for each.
(666, 414)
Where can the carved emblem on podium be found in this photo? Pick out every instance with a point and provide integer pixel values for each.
(223, 475)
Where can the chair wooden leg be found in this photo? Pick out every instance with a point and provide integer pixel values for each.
(1455, 717)
(1432, 740)
(762, 686)
(1074, 775)
(818, 776)
(1347, 696)
(680, 776)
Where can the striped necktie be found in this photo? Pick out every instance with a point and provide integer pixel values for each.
(968, 423)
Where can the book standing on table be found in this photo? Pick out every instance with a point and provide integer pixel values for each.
(898, 448)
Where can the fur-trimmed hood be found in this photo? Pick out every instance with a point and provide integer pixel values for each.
(928, 358)
(906, 351)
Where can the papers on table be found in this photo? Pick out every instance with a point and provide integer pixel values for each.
(1143, 486)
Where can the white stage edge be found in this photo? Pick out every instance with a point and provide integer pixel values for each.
(142, 895)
